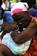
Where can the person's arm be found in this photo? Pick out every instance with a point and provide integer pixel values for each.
(27, 34)
(5, 50)
(8, 27)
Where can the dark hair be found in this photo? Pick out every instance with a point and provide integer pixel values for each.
(23, 19)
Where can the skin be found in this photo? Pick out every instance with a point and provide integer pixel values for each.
(5, 51)
(27, 34)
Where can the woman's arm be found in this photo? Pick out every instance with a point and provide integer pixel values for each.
(27, 34)
(5, 51)
(8, 27)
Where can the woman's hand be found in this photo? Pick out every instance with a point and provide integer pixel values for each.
(9, 27)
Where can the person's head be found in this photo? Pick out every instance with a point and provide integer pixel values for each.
(23, 19)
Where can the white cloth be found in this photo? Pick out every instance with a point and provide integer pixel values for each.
(16, 49)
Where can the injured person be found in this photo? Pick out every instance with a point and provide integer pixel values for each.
(16, 41)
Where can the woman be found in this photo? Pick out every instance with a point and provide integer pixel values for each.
(14, 40)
